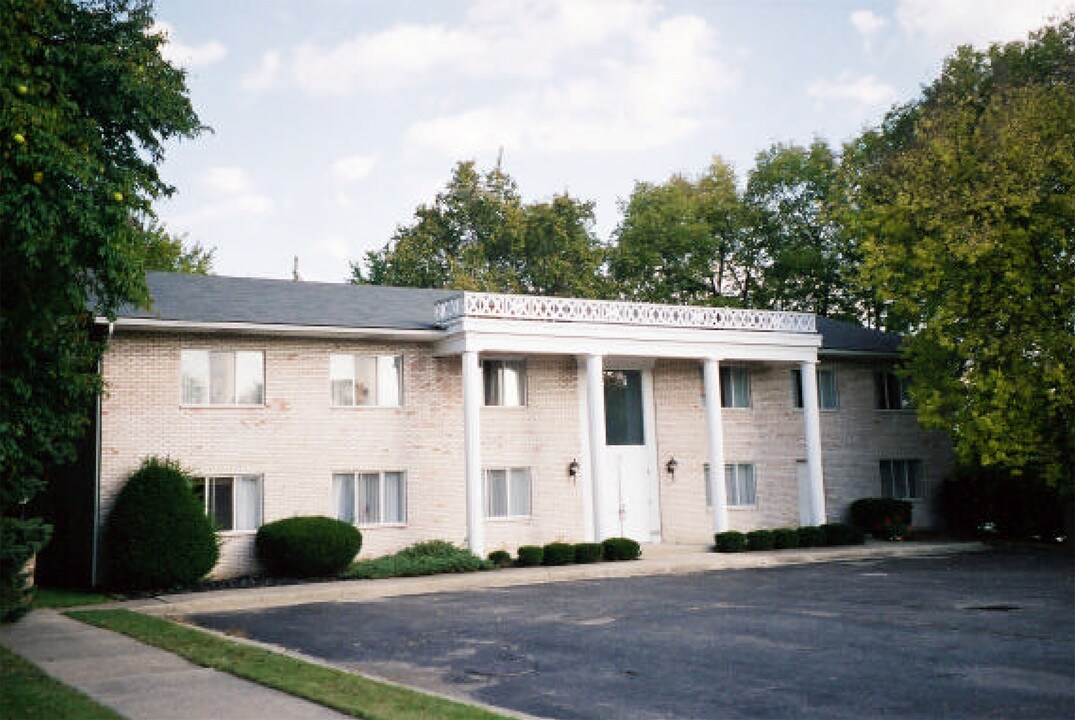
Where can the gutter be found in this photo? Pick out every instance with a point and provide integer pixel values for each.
(95, 541)
(154, 324)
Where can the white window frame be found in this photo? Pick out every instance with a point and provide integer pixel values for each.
(882, 391)
(900, 472)
(354, 476)
(729, 399)
(187, 360)
(208, 481)
(498, 365)
(797, 389)
(511, 491)
(730, 493)
(381, 363)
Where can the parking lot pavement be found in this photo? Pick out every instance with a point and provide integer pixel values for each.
(981, 635)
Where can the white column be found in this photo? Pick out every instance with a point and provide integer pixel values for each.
(812, 422)
(583, 478)
(472, 440)
(595, 412)
(715, 435)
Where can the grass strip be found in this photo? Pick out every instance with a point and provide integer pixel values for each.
(45, 597)
(337, 689)
(26, 693)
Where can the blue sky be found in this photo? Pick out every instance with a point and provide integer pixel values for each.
(334, 119)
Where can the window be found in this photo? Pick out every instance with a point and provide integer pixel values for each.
(366, 380)
(739, 485)
(233, 502)
(734, 386)
(826, 388)
(505, 382)
(370, 498)
(507, 493)
(901, 479)
(223, 378)
(623, 408)
(891, 391)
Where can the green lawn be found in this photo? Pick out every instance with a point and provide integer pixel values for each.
(60, 598)
(343, 691)
(26, 693)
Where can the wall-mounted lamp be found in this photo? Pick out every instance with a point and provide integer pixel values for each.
(671, 466)
(573, 468)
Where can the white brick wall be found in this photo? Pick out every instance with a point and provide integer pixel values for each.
(298, 440)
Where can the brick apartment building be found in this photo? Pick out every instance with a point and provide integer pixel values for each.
(497, 420)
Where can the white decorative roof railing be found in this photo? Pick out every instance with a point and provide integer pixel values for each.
(610, 312)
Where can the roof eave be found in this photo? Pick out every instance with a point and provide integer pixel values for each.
(280, 329)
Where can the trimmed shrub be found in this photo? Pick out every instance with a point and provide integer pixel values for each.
(842, 534)
(432, 557)
(530, 555)
(587, 552)
(309, 546)
(158, 535)
(731, 541)
(620, 548)
(785, 538)
(884, 518)
(558, 553)
(500, 558)
(811, 536)
(760, 540)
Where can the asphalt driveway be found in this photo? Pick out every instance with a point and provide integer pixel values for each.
(979, 635)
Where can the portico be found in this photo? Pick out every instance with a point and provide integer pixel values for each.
(617, 341)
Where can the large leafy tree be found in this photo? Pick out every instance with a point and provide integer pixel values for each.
(966, 200)
(169, 252)
(805, 259)
(479, 235)
(88, 103)
(682, 241)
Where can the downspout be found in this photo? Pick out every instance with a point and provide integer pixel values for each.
(95, 542)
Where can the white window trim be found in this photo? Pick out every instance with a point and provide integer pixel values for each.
(366, 408)
(355, 474)
(909, 408)
(525, 384)
(820, 407)
(726, 397)
(234, 477)
(507, 474)
(708, 489)
(209, 389)
(922, 479)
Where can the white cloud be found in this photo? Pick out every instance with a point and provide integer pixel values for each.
(868, 24)
(188, 56)
(265, 75)
(232, 193)
(943, 24)
(865, 90)
(353, 168)
(654, 86)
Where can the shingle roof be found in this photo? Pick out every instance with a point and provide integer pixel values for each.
(215, 298)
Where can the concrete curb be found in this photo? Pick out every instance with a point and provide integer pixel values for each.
(656, 560)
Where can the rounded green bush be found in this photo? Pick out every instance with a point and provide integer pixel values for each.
(530, 555)
(500, 558)
(730, 541)
(811, 536)
(558, 553)
(309, 546)
(587, 552)
(760, 540)
(158, 535)
(620, 548)
(785, 538)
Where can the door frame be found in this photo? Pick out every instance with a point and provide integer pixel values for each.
(649, 437)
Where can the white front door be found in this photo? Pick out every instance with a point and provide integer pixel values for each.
(630, 493)
(802, 476)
